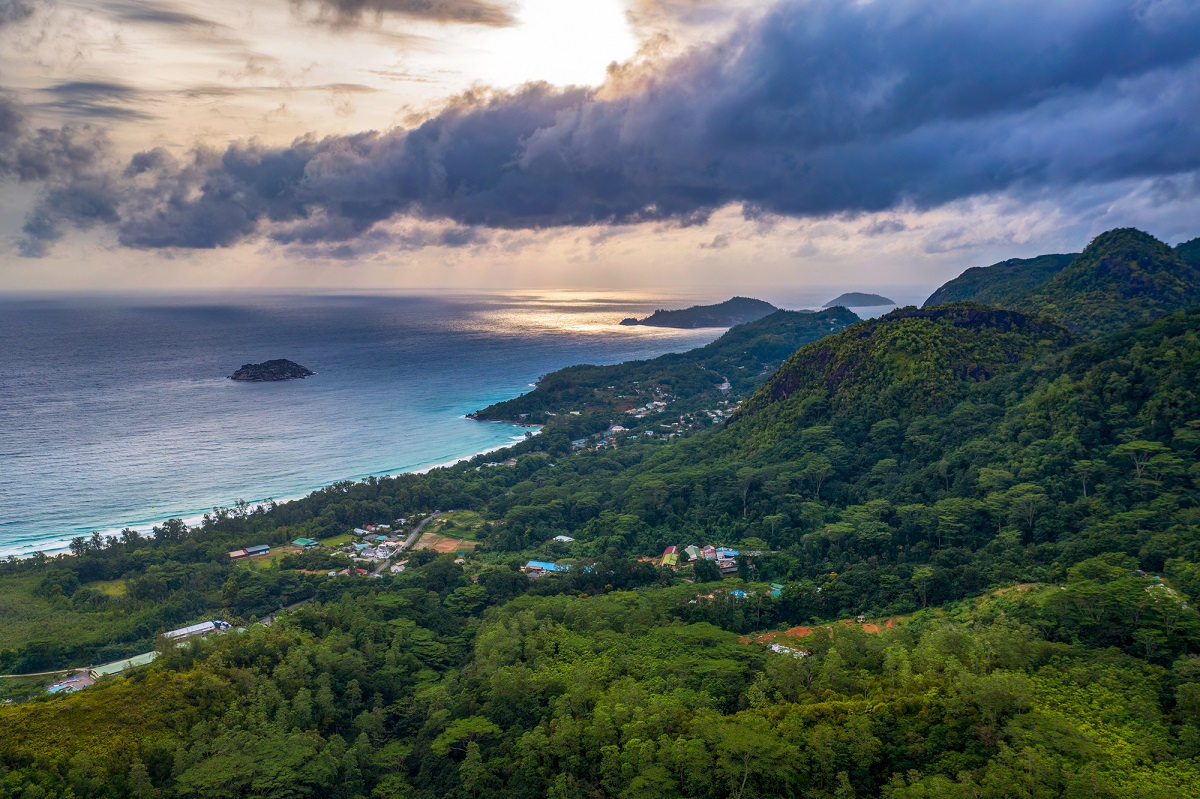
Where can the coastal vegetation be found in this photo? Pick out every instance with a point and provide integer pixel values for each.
(969, 556)
(585, 399)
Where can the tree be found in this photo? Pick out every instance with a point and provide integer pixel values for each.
(1026, 499)
(706, 571)
(461, 732)
(1139, 453)
(922, 576)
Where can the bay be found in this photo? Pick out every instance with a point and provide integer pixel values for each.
(118, 412)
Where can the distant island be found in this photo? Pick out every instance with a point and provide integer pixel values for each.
(278, 369)
(856, 299)
(735, 311)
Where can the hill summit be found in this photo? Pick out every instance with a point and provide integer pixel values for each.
(1123, 277)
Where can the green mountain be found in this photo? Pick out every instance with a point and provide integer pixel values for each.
(723, 371)
(911, 359)
(1124, 276)
(735, 311)
(1189, 252)
(995, 284)
(969, 559)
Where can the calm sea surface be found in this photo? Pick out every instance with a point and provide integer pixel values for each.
(120, 413)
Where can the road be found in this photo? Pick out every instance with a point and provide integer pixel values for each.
(45, 673)
(408, 542)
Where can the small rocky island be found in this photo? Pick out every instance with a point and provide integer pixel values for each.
(278, 369)
(857, 299)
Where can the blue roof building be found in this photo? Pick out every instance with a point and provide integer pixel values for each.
(545, 566)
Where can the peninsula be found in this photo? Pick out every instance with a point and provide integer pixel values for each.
(735, 311)
(278, 369)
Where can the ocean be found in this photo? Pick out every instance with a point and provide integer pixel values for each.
(119, 413)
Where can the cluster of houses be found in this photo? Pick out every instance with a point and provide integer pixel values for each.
(725, 558)
(375, 544)
(654, 406)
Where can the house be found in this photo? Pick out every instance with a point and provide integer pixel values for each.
(726, 552)
(360, 531)
(238, 554)
(670, 556)
(727, 566)
(305, 543)
(709, 552)
(381, 538)
(259, 549)
(776, 589)
(543, 566)
(116, 667)
(563, 539)
(200, 628)
(693, 552)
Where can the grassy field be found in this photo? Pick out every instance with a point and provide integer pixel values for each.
(113, 588)
(462, 524)
(338, 540)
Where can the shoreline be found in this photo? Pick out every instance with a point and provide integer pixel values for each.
(60, 547)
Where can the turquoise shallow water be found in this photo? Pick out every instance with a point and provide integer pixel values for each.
(118, 413)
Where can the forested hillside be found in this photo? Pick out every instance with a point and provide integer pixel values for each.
(994, 284)
(1007, 499)
(1124, 276)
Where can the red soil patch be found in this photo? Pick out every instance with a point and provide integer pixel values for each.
(452, 545)
(802, 631)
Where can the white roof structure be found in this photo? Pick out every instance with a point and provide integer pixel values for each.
(201, 628)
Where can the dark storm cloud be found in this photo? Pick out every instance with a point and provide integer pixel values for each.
(55, 155)
(817, 108)
(345, 13)
(71, 164)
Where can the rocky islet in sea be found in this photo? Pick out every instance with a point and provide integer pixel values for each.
(278, 369)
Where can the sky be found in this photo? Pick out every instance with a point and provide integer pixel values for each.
(774, 149)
